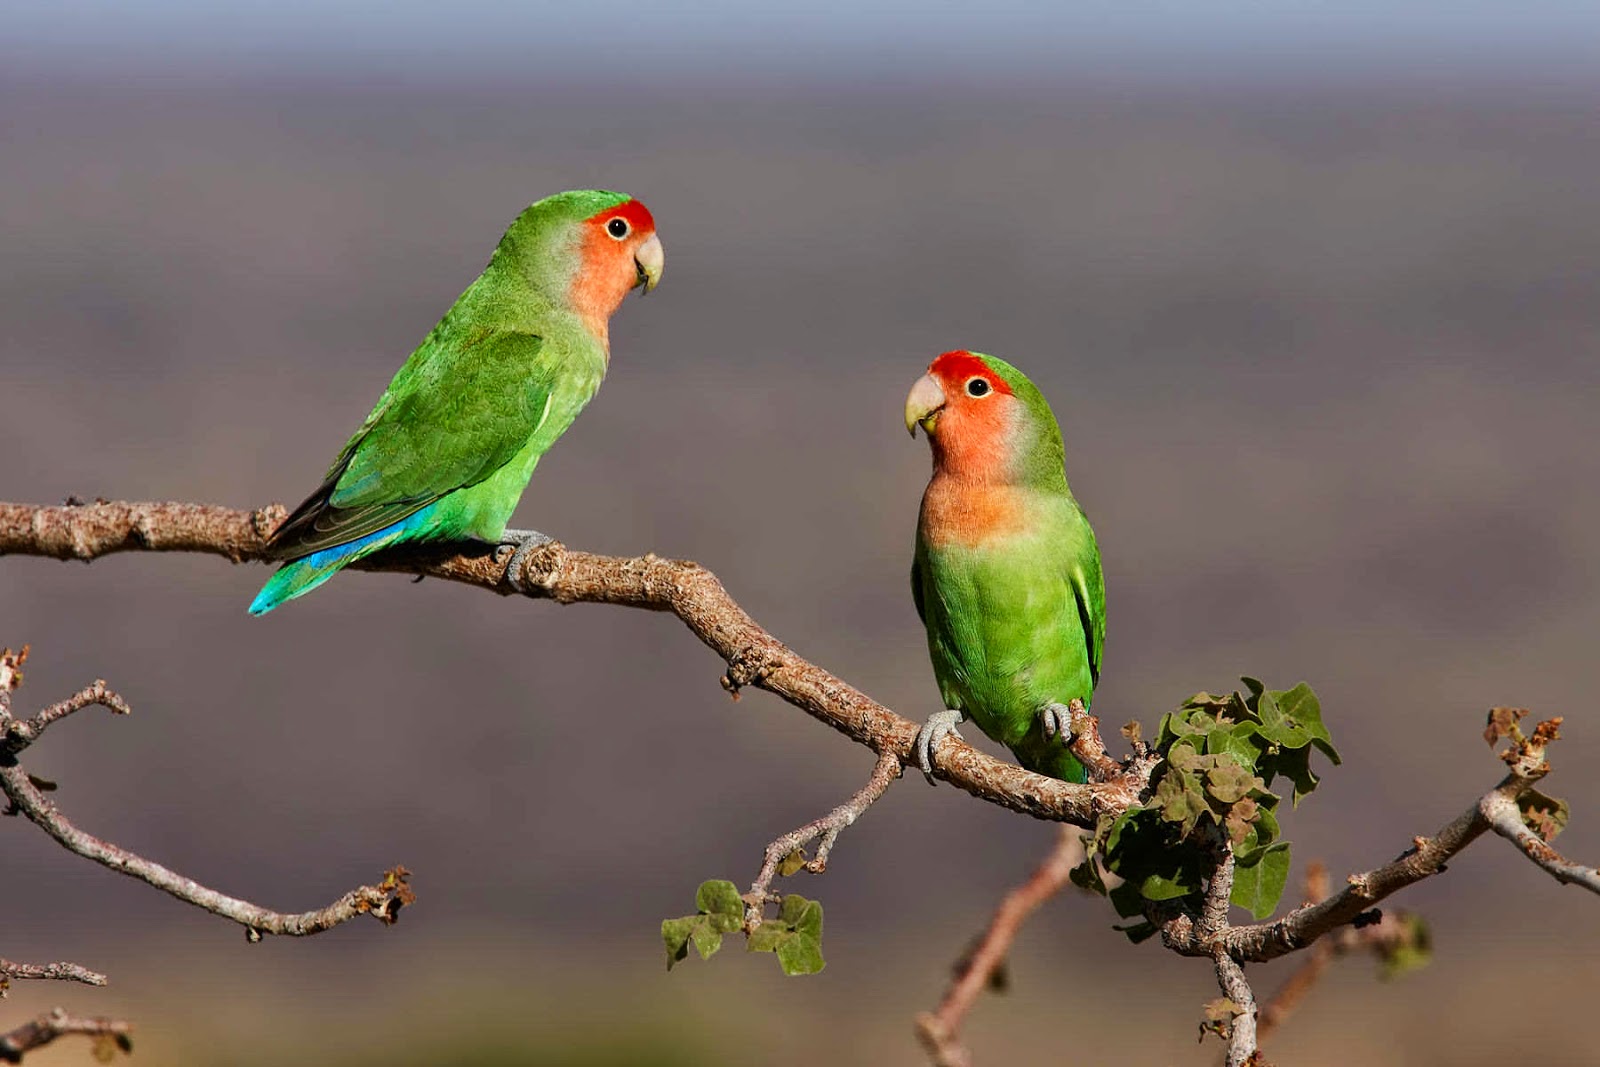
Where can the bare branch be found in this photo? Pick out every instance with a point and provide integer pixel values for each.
(20, 733)
(54, 972)
(827, 828)
(1242, 1030)
(382, 901)
(939, 1030)
(692, 593)
(1505, 819)
(46, 1028)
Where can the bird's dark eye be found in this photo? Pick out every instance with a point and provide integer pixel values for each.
(977, 387)
(617, 228)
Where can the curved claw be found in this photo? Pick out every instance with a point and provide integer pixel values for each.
(525, 541)
(940, 724)
(1057, 719)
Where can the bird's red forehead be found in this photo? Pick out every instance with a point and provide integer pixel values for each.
(638, 216)
(955, 369)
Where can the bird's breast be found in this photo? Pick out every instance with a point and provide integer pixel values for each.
(968, 514)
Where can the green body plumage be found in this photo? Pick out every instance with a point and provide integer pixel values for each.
(1006, 574)
(453, 441)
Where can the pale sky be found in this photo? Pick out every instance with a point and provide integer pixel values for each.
(814, 39)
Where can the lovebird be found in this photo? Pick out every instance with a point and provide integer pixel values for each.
(451, 444)
(1006, 575)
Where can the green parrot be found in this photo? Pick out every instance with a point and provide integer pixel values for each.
(451, 445)
(1006, 575)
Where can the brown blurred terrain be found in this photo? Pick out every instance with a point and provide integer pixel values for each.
(1326, 364)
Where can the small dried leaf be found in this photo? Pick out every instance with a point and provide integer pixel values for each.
(1503, 723)
(791, 863)
(1133, 731)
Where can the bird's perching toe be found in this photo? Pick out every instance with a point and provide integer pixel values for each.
(940, 724)
(521, 542)
(1057, 719)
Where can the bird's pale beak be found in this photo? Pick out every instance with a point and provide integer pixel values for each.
(648, 261)
(924, 404)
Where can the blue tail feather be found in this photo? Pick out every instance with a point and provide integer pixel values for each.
(298, 577)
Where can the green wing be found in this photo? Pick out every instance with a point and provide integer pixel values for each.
(454, 414)
(1088, 588)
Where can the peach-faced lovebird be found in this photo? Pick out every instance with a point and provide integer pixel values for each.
(453, 441)
(1006, 575)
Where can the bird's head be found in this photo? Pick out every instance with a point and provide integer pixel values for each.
(984, 418)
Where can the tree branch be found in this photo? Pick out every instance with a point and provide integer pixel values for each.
(939, 1030)
(52, 972)
(827, 828)
(1505, 818)
(1242, 1029)
(110, 1034)
(382, 901)
(689, 591)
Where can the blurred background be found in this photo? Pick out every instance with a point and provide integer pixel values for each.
(1312, 290)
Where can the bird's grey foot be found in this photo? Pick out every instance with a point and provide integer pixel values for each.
(1057, 719)
(522, 542)
(940, 725)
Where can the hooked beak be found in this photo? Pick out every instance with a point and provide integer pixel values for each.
(648, 261)
(924, 404)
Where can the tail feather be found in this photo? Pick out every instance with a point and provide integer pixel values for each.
(292, 580)
(298, 577)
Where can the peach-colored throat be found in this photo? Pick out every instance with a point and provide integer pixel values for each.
(960, 511)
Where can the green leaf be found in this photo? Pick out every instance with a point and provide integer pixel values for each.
(1168, 885)
(802, 915)
(1138, 932)
(706, 939)
(1086, 875)
(675, 933)
(1295, 765)
(795, 935)
(800, 954)
(1240, 740)
(791, 863)
(1301, 707)
(1127, 899)
(720, 899)
(768, 936)
(1258, 884)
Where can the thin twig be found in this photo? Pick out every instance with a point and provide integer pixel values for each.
(20, 733)
(382, 901)
(939, 1030)
(1505, 819)
(46, 1028)
(53, 972)
(825, 831)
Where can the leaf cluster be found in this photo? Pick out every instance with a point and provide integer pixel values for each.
(795, 935)
(1213, 790)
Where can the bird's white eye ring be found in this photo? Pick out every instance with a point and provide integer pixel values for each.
(618, 228)
(977, 386)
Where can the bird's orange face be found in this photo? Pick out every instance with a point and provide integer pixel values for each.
(967, 411)
(618, 250)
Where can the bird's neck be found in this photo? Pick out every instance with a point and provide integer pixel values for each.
(968, 512)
